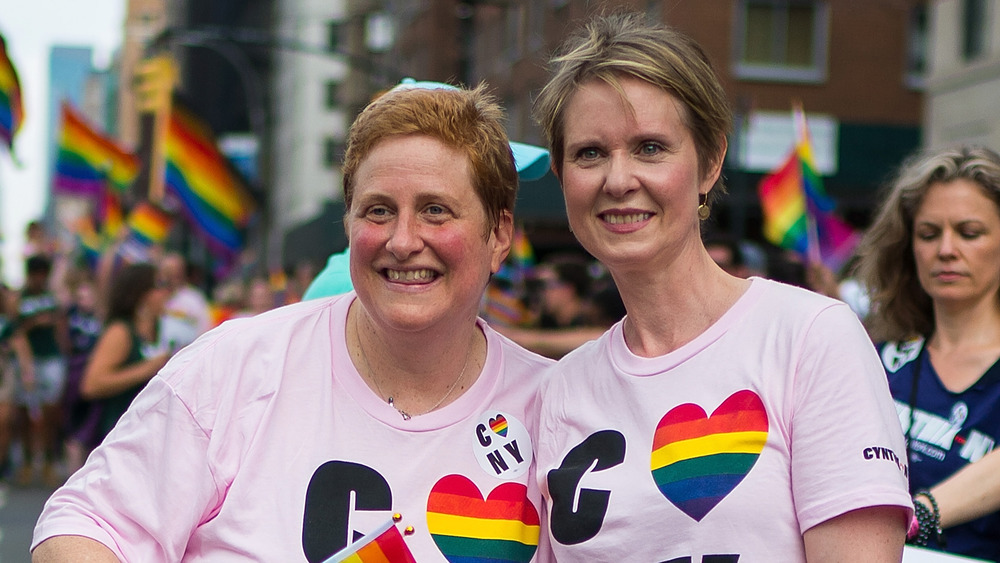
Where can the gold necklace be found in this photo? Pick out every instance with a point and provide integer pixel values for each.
(404, 414)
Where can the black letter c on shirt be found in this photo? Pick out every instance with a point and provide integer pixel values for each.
(607, 449)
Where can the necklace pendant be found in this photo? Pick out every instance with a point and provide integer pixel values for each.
(402, 413)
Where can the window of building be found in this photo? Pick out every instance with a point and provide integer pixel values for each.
(782, 40)
(916, 47)
(560, 10)
(975, 24)
(654, 10)
(334, 35)
(333, 152)
(516, 117)
(489, 40)
(380, 32)
(516, 31)
(332, 94)
(536, 17)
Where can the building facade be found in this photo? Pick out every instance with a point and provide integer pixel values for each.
(964, 74)
(72, 79)
(310, 125)
(858, 67)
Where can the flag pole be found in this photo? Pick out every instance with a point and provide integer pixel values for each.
(813, 252)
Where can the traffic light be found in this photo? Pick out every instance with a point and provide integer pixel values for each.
(153, 83)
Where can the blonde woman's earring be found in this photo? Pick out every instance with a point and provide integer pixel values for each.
(703, 209)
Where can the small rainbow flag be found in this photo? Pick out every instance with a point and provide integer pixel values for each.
(502, 305)
(88, 160)
(521, 252)
(210, 193)
(90, 242)
(11, 103)
(94, 232)
(798, 214)
(520, 261)
(382, 545)
(109, 214)
(218, 313)
(149, 223)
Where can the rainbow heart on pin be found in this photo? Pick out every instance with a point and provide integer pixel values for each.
(499, 425)
(698, 460)
(502, 528)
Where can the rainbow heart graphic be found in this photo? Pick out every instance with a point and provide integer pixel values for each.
(697, 460)
(467, 529)
(499, 425)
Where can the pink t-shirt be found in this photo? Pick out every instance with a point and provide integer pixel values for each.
(775, 419)
(261, 442)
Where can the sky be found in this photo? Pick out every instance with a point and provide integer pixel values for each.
(31, 28)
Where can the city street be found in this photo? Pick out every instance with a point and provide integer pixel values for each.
(19, 508)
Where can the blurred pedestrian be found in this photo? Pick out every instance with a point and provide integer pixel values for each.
(187, 313)
(821, 279)
(565, 289)
(260, 298)
(13, 351)
(128, 352)
(228, 299)
(564, 309)
(84, 327)
(42, 321)
(931, 263)
(297, 283)
(728, 254)
(37, 241)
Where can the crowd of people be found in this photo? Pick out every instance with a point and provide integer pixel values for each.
(78, 343)
(669, 399)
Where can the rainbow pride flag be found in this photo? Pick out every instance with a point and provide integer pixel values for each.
(211, 195)
(91, 243)
(383, 545)
(148, 225)
(502, 305)
(96, 231)
(520, 261)
(798, 214)
(110, 216)
(88, 160)
(522, 253)
(11, 103)
(149, 222)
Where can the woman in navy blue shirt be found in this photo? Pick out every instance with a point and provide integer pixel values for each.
(931, 262)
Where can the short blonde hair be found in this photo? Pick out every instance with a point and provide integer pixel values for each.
(623, 44)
